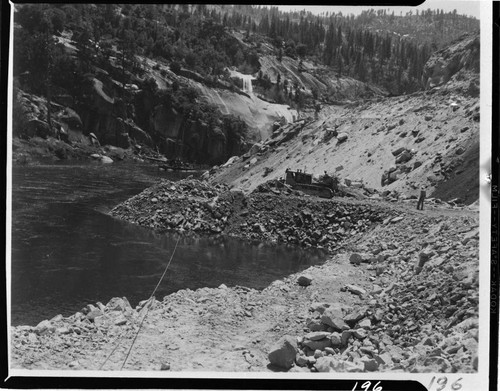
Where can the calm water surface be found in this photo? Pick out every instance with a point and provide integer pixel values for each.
(68, 252)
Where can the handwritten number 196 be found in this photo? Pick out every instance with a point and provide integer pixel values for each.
(442, 381)
(366, 386)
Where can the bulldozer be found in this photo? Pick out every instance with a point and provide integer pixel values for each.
(326, 187)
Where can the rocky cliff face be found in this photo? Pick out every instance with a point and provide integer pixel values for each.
(258, 114)
(313, 77)
(121, 116)
(30, 118)
(454, 63)
(108, 112)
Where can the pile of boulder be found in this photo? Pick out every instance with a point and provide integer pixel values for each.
(193, 206)
(276, 186)
(188, 205)
(92, 325)
(425, 319)
(285, 133)
(304, 221)
(402, 156)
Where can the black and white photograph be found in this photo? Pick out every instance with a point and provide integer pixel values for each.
(262, 191)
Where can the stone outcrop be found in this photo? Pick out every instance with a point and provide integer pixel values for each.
(322, 79)
(462, 55)
(104, 115)
(193, 138)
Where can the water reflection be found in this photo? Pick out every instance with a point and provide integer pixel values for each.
(66, 252)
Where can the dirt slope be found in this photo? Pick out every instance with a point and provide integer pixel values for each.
(439, 126)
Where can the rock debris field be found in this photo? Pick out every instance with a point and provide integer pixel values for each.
(399, 292)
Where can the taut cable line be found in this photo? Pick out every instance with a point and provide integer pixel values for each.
(148, 305)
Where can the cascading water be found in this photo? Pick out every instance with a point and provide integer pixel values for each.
(247, 83)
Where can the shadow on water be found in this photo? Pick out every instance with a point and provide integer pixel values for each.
(66, 253)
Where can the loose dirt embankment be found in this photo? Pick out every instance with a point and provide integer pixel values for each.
(399, 293)
(394, 145)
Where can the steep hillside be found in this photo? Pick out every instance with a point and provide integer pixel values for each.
(314, 79)
(317, 79)
(204, 83)
(393, 144)
(122, 96)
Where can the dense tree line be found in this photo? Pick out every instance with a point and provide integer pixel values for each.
(108, 38)
(377, 46)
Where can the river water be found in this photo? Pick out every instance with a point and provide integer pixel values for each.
(68, 252)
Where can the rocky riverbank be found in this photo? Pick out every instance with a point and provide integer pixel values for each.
(267, 214)
(399, 293)
(36, 150)
(420, 313)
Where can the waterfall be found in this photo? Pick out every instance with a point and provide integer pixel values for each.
(247, 83)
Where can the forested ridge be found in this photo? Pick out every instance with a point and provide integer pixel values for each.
(377, 46)
(149, 64)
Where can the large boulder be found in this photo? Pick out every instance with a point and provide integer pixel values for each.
(283, 354)
(397, 151)
(106, 160)
(136, 133)
(334, 310)
(71, 118)
(230, 161)
(352, 318)
(36, 127)
(355, 259)
(336, 339)
(115, 153)
(317, 335)
(318, 345)
(254, 149)
(304, 280)
(44, 327)
(404, 157)
(393, 176)
(355, 289)
(328, 364)
(118, 304)
(342, 137)
(336, 323)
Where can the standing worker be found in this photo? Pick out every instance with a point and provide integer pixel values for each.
(420, 203)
